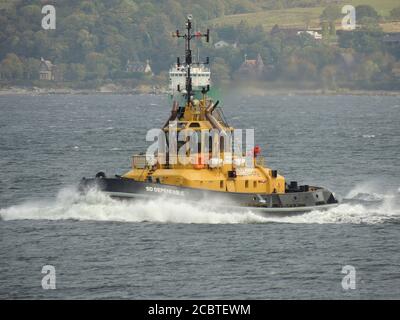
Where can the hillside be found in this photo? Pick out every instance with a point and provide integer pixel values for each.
(97, 43)
(299, 17)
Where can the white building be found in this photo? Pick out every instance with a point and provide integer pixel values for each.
(314, 34)
(137, 66)
(221, 44)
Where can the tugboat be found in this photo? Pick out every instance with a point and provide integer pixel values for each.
(236, 180)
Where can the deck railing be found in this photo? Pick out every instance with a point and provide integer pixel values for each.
(139, 161)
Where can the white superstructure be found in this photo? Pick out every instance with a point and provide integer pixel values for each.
(200, 74)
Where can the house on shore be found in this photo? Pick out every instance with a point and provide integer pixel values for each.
(293, 32)
(316, 35)
(138, 66)
(251, 68)
(48, 71)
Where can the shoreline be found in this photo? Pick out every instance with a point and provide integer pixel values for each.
(35, 91)
(256, 91)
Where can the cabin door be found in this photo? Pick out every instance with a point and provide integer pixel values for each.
(230, 186)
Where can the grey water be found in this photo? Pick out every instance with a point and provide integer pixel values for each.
(103, 248)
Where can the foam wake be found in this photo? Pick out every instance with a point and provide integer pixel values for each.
(367, 203)
(95, 205)
(363, 204)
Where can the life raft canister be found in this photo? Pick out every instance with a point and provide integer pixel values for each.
(255, 152)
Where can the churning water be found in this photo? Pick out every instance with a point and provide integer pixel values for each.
(106, 248)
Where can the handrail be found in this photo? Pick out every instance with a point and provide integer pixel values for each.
(139, 161)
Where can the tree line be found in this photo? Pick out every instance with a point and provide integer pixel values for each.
(94, 39)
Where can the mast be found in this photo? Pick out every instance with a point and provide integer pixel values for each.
(188, 56)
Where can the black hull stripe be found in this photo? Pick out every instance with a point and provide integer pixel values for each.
(127, 195)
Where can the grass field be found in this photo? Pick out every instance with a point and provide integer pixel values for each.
(294, 17)
(382, 6)
(299, 17)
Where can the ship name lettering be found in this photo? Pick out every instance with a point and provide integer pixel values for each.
(164, 190)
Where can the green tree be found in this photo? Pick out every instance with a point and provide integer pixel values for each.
(96, 64)
(221, 72)
(75, 71)
(325, 29)
(86, 41)
(30, 16)
(329, 16)
(363, 41)
(331, 13)
(395, 13)
(328, 74)
(332, 28)
(366, 11)
(308, 70)
(31, 68)
(11, 67)
(367, 70)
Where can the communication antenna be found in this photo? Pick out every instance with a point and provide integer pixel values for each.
(188, 36)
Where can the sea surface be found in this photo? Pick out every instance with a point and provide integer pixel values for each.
(165, 249)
